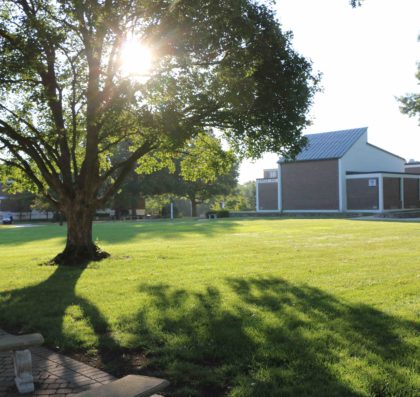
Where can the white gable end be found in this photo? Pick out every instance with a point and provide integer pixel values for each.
(363, 157)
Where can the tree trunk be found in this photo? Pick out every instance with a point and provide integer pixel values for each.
(80, 248)
(193, 208)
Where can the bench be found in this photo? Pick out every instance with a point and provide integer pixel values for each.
(129, 386)
(22, 359)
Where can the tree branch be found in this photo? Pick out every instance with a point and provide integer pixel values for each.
(53, 91)
(52, 152)
(73, 102)
(28, 147)
(117, 141)
(124, 168)
(23, 165)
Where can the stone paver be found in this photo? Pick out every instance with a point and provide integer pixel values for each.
(55, 375)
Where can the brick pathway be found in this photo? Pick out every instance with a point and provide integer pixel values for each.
(55, 375)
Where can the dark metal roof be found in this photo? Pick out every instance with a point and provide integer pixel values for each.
(329, 145)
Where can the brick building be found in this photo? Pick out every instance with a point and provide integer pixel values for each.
(340, 171)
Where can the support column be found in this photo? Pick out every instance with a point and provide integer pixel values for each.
(341, 188)
(279, 189)
(402, 192)
(381, 193)
(257, 194)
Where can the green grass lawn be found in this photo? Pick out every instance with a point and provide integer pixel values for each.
(239, 308)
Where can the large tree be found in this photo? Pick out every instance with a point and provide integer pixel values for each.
(66, 99)
(243, 198)
(200, 191)
(205, 170)
(200, 170)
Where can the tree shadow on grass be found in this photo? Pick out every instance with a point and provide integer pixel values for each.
(43, 308)
(277, 339)
(263, 337)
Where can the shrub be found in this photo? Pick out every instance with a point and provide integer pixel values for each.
(218, 214)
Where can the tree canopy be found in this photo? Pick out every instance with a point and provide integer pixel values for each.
(66, 102)
(410, 103)
(198, 172)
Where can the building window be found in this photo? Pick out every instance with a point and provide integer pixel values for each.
(272, 174)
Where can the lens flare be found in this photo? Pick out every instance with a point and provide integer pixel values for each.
(136, 59)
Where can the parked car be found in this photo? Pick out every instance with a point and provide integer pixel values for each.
(7, 219)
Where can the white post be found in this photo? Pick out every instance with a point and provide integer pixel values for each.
(257, 200)
(279, 189)
(342, 188)
(381, 193)
(172, 210)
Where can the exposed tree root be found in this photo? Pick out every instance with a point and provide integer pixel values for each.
(79, 256)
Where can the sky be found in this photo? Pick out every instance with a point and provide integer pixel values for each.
(367, 57)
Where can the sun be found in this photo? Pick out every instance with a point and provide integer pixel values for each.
(136, 59)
